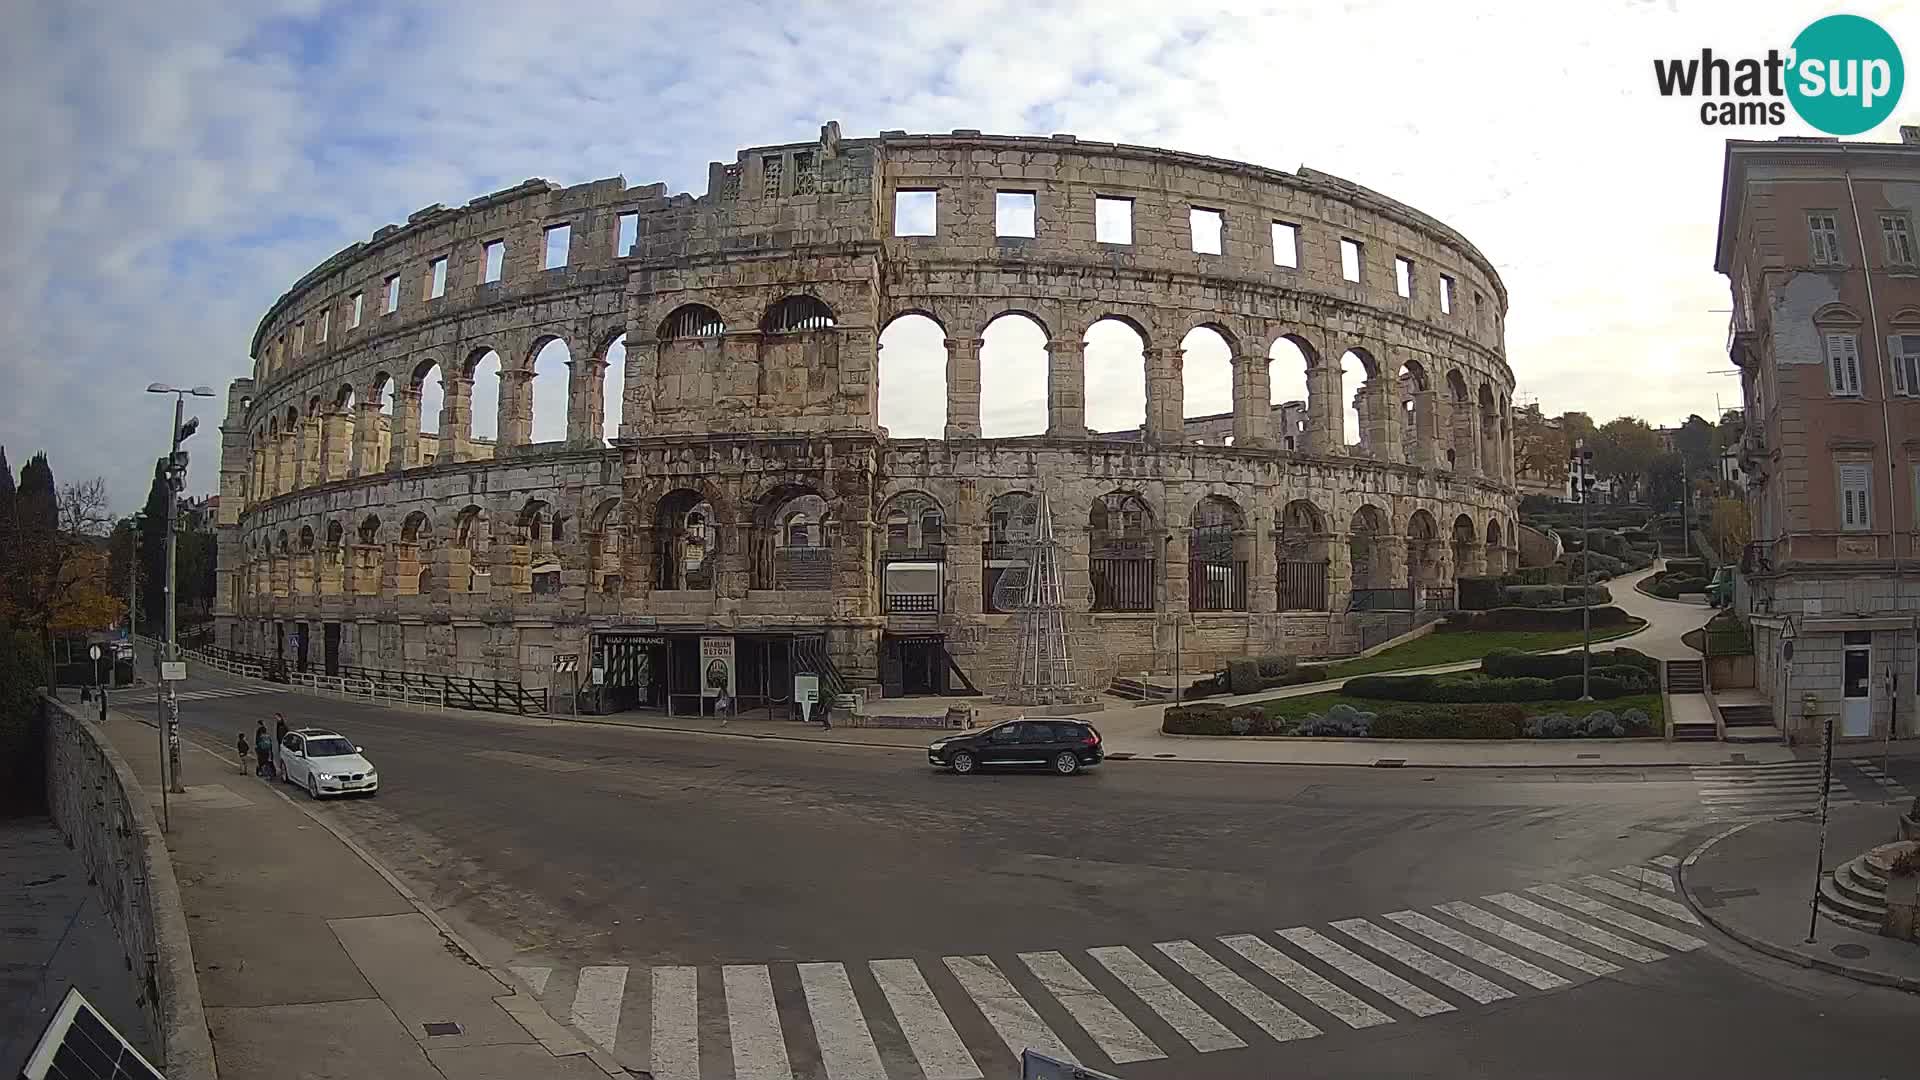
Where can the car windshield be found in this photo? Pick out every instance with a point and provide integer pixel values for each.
(333, 746)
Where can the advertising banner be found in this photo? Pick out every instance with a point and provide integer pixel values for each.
(716, 666)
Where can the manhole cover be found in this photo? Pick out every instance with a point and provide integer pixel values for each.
(1163, 755)
(442, 1027)
(1587, 757)
(1850, 951)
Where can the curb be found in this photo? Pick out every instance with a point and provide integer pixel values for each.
(933, 733)
(569, 1044)
(1780, 952)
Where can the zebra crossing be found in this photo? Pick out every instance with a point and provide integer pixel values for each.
(968, 1016)
(1892, 787)
(1757, 792)
(150, 697)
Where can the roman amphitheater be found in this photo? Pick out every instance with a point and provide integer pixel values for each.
(750, 494)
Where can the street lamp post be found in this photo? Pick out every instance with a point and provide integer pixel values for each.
(176, 478)
(1581, 473)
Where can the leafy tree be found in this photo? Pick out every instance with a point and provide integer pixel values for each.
(23, 669)
(1623, 449)
(1539, 448)
(1665, 482)
(9, 520)
(1729, 529)
(153, 550)
(1575, 426)
(57, 578)
(1694, 441)
(1733, 424)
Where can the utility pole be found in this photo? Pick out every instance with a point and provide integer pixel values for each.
(1581, 471)
(176, 472)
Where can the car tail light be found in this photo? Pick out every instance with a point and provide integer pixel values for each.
(1092, 739)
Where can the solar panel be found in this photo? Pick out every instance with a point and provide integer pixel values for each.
(79, 1044)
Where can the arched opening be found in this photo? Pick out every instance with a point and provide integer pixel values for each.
(1370, 561)
(1123, 562)
(368, 558)
(432, 388)
(483, 374)
(550, 394)
(1460, 441)
(1116, 378)
(533, 555)
(1013, 377)
(376, 444)
(336, 436)
(606, 545)
(1489, 433)
(1218, 546)
(1357, 370)
(792, 540)
(472, 544)
(412, 568)
(1206, 385)
(690, 360)
(1288, 362)
(303, 568)
(692, 321)
(613, 390)
(797, 314)
(1423, 556)
(913, 378)
(1300, 546)
(686, 542)
(332, 558)
(1466, 548)
(1013, 521)
(1496, 554)
(1417, 430)
(913, 560)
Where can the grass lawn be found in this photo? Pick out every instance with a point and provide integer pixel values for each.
(1441, 647)
(1312, 703)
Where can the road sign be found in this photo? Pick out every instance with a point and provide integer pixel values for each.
(566, 663)
(173, 670)
(806, 692)
(93, 651)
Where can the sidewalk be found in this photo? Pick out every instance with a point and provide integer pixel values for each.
(313, 963)
(1755, 883)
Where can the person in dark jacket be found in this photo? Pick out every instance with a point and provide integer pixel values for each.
(240, 747)
(262, 750)
(279, 740)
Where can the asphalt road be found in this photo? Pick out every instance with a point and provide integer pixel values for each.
(574, 850)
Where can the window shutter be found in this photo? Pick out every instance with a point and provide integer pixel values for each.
(1898, 357)
(1854, 497)
(1853, 369)
(1833, 364)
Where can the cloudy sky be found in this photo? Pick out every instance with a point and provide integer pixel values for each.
(173, 165)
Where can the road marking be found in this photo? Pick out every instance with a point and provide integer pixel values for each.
(1671, 909)
(1668, 861)
(1116, 1035)
(596, 1002)
(1274, 1018)
(1613, 916)
(846, 1046)
(676, 1023)
(1527, 939)
(1655, 878)
(930, 1035)
(1019, 1026)
(1306, 982)
(1887, 783)
(1192, 1022)
(1573, 927)
(1422, 961)
(759, 1049)
(1366, 972)
(535, 978)
(1507, 964)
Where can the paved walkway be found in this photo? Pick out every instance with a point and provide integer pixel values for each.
(54, 934)
(314, 963)
(1756, 884)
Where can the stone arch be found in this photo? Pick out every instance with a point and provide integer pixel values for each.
(1369, 422)
(1302, 554)
(913, 362)
(1206, 381)
(1123, 539)
(913, 554)
(1303, 410)
(1012, 524)
(306, 540)
(544, 401)
(691, 321)
(369, 531)
(1013, 374)
(1114, 376)
(1419, 429)
(613, 386)
(1489, 425)
(1219, 548)
(686, 541)
(791, 539)
(1370, 555)
(798, 313)
(426, 402)
(1496, 553)
(1466, 548)
(1423, 552)
(1463, 445)
(607, 541)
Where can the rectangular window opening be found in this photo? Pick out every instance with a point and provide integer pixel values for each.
(772, 168)
(493, 261)
(1856, 497)
(1899, 238)
(1112, 220)
(1905, 352)
(1823, 232)
(320, 332)
(359, 308)
(1446, 295)
(1403, 276)
(626, 234)
(1209, 229)
(1013, 213)
(804, 174)
(393, 294)
(915, 213)
(1350, 259)
(299, 336)
(1843, 365)
(437, 278)
(1286, 244)
(558, 239)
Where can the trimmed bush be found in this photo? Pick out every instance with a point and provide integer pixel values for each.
(1340, 721)
(1275, 665)
(1479, 593)
(1481, 721)
(1602, 724)
(1209, 718)
(1532, 596)
(1536, 575)
(1243, 676)
(1513, 618)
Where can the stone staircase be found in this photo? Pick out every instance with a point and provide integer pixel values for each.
(1686, 676)
(1855, 893)
(1749, 724)
(1139, 689)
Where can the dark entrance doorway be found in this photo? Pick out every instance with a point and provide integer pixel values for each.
(634, 672)
(913, 665)
(331, 647)
(299, 646)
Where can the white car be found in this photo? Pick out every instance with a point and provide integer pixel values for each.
(326, 763)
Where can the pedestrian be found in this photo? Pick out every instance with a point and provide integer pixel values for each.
(723, 705)
(262, 751)
(279, 740)
(240, 747)
(826, 718)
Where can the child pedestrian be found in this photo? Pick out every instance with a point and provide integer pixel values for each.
(240, 746)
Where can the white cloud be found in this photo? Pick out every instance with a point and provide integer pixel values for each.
(171, 168)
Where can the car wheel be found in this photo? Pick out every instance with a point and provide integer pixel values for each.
(313, 788)
(963, 762)
(1066, 763)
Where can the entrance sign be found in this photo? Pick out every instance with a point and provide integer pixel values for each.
(599, 676)
(173, 670)
(566, 662)
(806, 693)
(716, 666)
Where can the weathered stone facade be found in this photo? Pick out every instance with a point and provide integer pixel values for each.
(750, 488)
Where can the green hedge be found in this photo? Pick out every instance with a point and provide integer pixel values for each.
(1511, 663)
(1274, 672)
(1474, 688)
(1487, 721)
(1511, 618)
(1479, 593)
(1555, 574)
(1211, 719)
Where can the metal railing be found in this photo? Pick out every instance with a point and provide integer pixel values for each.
(913, 603)
(1303, 586)
(1217, 585)
(1380, 600)
(379, 685)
